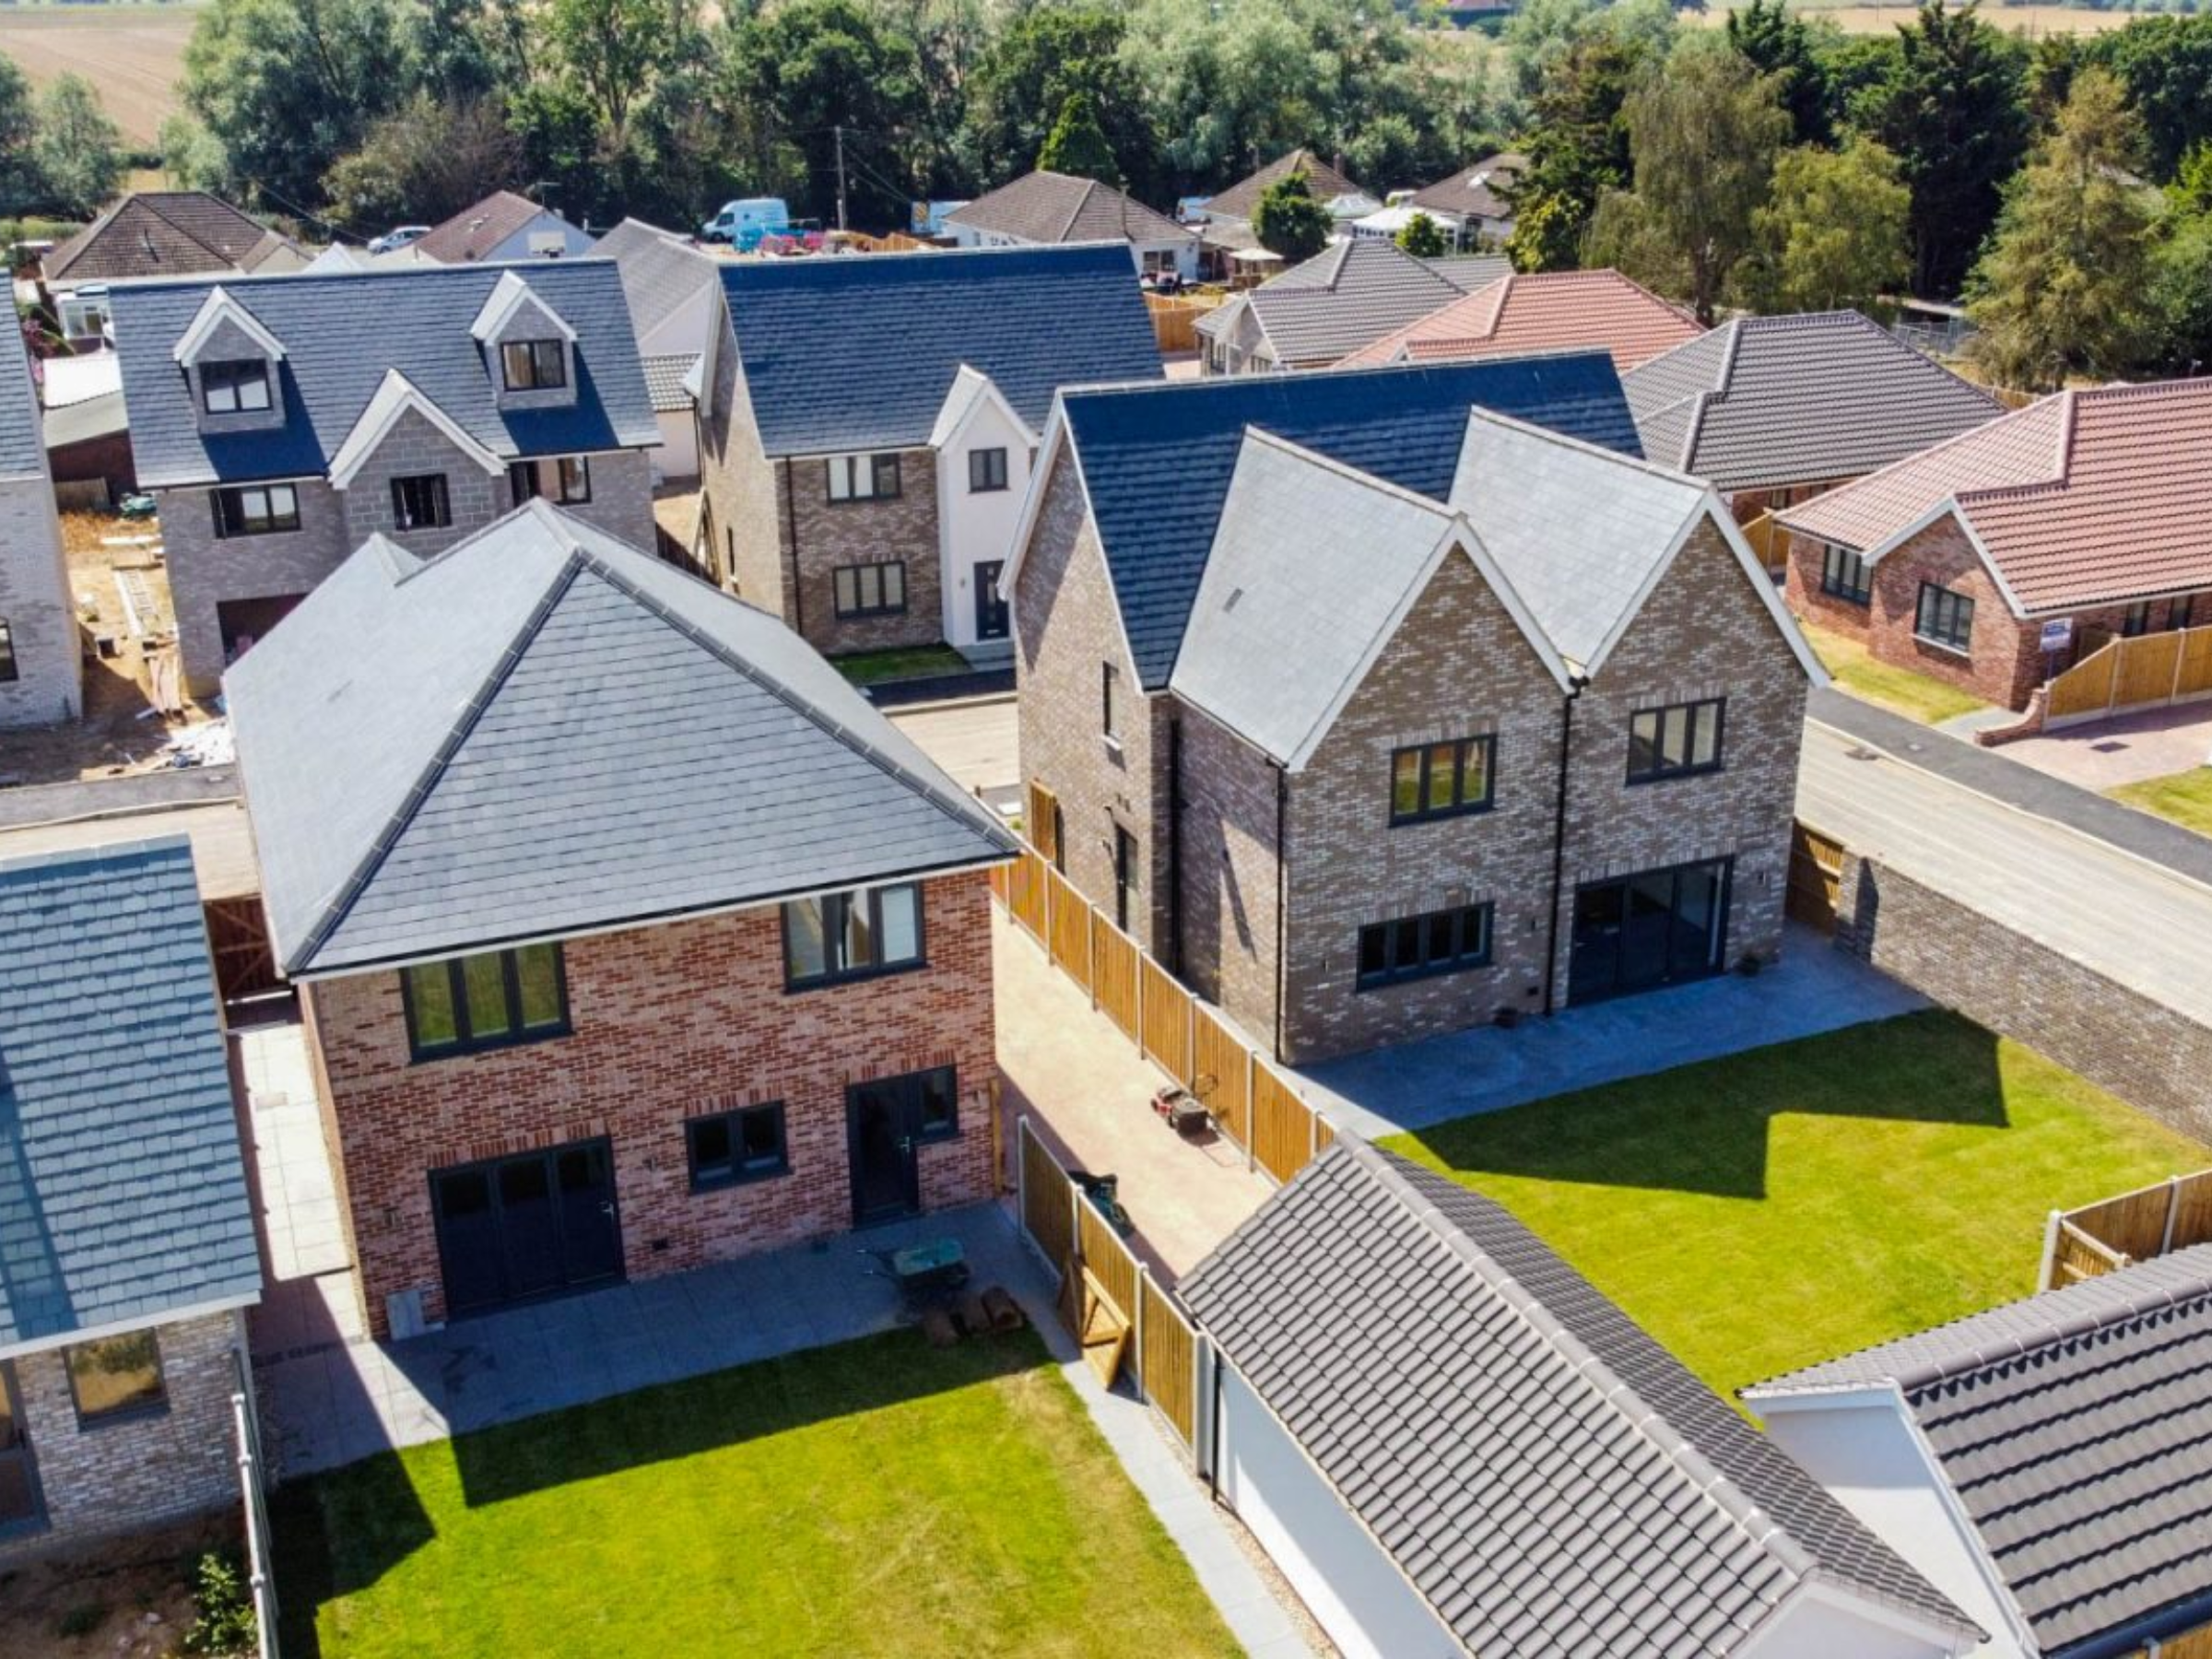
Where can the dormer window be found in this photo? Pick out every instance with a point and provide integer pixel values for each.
(238, 387)
(535, 365)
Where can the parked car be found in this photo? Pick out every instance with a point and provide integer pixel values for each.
(398, 237)
(743, 223)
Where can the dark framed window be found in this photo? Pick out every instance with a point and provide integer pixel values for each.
(1445, 941)
(1676, 741)
(575, 480)
(9, 668)
(732, 1147)
(1440, 780)
(257, 509)
(239, 387)
(1109, 701)
(534, 365)
(986, 470)
(863, 478)
(1124, 877)
(522, 481)
(1943, 619)
(420, 502)
(2177, 610)
(2136, 620)
(492, 1000)
(21, 1508)
(1843, 575)
(840, 937)
(115, 1377)
(869, 590)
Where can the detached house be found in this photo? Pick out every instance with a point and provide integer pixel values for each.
(1424, 702)
(503, 226)
(2002, 557)
(280, 422)
(42, 655)
(675, 301)
(1475, 204)
(151, 233)
(1542, 311)
(868, 425)
(628, 937)
(1044, 210)
(1331, 305)
(1228, 228)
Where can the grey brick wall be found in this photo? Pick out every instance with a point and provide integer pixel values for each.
(35, 603)
(529, 323)
(833, 534)
(621, 501)
(742, 509)
(139, 1472)
(230, 343)
(412, 448)
(204, 570)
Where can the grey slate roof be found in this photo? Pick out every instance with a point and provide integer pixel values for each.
(1046, 207)
(1240, 200)
(1763, 402)
(1477, 190)
(545, 731)
(859, 352)
(661, 270)
(1351, 295)
(342, 331)
(1156, 460)
(122, 1191)
(1548, 1478)
(22, 448)
(2077, 1431)
(664, 381)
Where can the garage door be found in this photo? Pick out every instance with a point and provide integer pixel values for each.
(513, 1229)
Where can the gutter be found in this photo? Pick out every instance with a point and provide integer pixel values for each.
(1559, 846)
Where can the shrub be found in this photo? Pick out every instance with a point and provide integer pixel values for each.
(222, 1626)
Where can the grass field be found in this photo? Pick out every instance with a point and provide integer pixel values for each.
(1798, 1202)
(134, 55)
(2186, 798)
(1916, 696)
(874, 1500)
(2032, 21)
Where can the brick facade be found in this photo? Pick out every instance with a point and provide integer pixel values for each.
(667, 1023)
(138, 1471)
(35, 603)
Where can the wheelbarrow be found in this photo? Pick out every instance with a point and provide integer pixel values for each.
(1181, 1110)
(927, 1275)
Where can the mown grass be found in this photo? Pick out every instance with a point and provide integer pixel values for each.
(916, 662)
(2184, 797)
(1916, 696)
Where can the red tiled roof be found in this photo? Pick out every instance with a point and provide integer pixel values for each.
(1544, 312)
(475, 232)
(2085, 498)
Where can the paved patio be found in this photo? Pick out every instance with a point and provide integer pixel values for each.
(2105, 754)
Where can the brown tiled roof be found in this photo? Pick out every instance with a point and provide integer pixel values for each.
(164, 233)
(1324, 183)
(1045, 206)
(474, 231)
(1542, 311)
(2091, 497)
(1473, 191)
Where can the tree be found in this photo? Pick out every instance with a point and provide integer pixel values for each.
(1952, 114)
(2062, 287)
(1776, 43)
(1289, 221)
(2166, 64)
(21, 186)
(1078, 143)
(1025, 74)
(2181, 296)
(1423, 238)
(191, 159)
(612, 49)
(1831, 236)
(425, 162)
(1577, 150)
(1705, 134)
(78, 151)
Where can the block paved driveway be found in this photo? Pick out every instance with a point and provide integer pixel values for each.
(2127, 749)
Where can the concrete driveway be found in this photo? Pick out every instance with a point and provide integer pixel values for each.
(2129, 749)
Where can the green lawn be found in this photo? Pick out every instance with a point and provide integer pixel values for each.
(1916, 696)
(913, 662)
(1795, 1203)
(878, 1498)
(2186, 798)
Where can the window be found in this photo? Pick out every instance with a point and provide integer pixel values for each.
(1110, 713)
(257, 509)
(1445, 941)
(575, 480)
(1676, 741)
(1843, 576)
(1440, 780)
(1124, 877)
(869, 590)
(9, 671)
(421, 503)
(849, 935)
(862, 478)
(535, 365)
(2177, 611)
(2136, 620)
(489, 1000)
(235, 388)
(732, 1147)
(116, 1377)
(986, 470)
(522, 481)
(938, 1096)
(1945, 619)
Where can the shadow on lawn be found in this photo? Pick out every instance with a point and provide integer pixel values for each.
(1703, 1128)
(341, 1532)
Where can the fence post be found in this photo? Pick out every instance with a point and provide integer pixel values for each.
(2042, 1281)
(1022, 1170)
(1137, 1314)
(1251, 1110)
(2173, 1206)
(1090, 951)
(1202, 1406)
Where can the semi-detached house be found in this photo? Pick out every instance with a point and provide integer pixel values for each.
(1383, 703)
(868, 426)
(280, 422)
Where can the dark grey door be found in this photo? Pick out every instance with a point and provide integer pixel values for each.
(21, 1509)
(1657, 927)
(516, 1228)
(990, 609)
(881, 1124)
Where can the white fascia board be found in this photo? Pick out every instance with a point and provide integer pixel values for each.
(217, 309)
(508, 296)
(395, 397)
(123, 1327)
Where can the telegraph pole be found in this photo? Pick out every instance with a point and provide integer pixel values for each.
(840, 176)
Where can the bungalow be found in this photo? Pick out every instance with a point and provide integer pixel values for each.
(1476, 202)
(1451, 1444)
(1227, 228)
(275, 432)
(1999, 558)
(151, 233)
(1542, 311)
(594, 989)
(1383, 703)
(127, 1257)
(1045, 210)
(503, 226)
(868, 425)
(41, 654)
(1339, 300)
(2046, 1464)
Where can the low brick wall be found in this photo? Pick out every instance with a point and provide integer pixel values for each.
(2148, 1055)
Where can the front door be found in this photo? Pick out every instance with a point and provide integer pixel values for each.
(1658, 927)
(881, 1128)
(511, 1228)
(990, 609)
(19, 1507)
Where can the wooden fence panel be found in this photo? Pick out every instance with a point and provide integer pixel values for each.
(1816, 880)
(2085, 688)
(1324, 1134)
(1113, 960)
(2133, 1224)
(1044, 1201)
(1070, 928)
(1168, 1364)
(1167, 1039)
(238, 938)
(1220, 1074)
(1282, 1125)
(1025, 893)
(2081, 1257)
(2193, 1210)
(2197, 663)
(2190, 1644)
(1041, 822)
(2146, 668)
(1108, 1258)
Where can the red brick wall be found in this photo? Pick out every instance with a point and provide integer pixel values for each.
(668, 1023)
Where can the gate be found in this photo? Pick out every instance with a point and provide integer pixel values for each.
(1816, 880)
